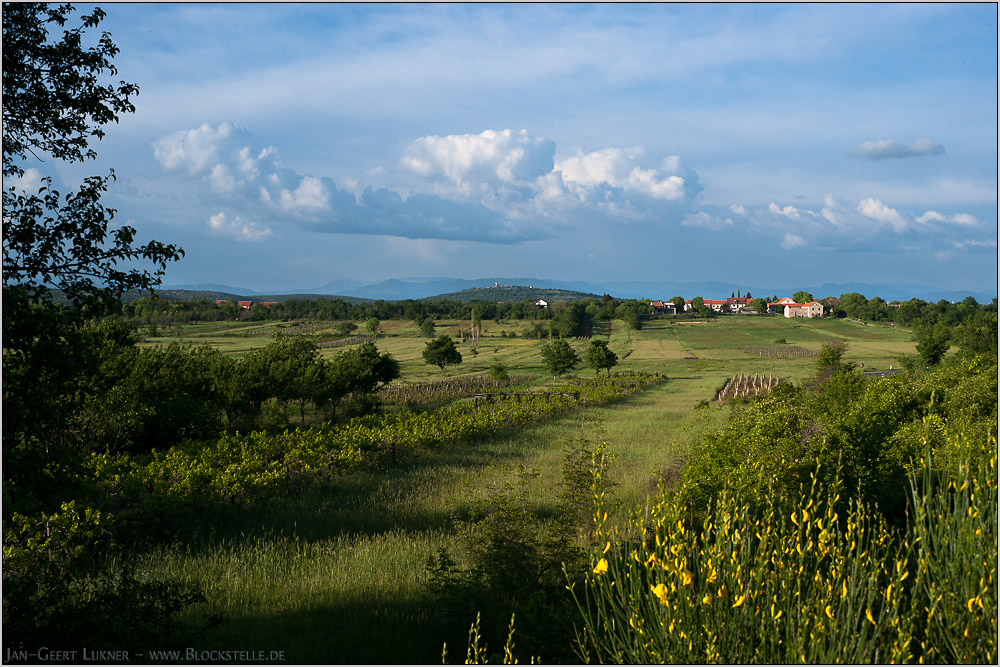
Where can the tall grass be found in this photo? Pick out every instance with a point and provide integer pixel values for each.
(320, 601)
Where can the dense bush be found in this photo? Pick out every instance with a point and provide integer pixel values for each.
(64, 587)
(873, 428)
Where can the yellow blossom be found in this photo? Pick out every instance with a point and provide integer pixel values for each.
(660, 591)
(739, 601)
(868, 615)
(829, 611)
(602, 567)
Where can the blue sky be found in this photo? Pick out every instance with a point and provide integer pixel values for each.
(286, 146)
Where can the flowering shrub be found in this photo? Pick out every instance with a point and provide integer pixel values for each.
(756, 583)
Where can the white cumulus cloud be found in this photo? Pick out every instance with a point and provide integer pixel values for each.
(310, 193)
(192, 149)
(221, 180)
(470, 161)
(974, 243)
(618, 168)
(239, 229)
(873, 209)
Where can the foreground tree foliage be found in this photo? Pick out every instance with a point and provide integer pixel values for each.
(58, 585)
(55, 101)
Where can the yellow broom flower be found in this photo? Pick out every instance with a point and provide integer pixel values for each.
(660, 591)
(602, 567)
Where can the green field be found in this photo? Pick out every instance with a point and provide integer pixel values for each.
(338, 576)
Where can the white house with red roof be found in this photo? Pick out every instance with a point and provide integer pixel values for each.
(789, 308)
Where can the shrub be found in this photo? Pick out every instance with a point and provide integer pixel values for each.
(821, 583)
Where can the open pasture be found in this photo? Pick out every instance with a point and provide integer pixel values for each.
(701, 354)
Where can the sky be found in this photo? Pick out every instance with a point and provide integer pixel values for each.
(286, 146)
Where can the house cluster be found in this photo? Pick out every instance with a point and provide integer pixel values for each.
(247, 305)
(738, 304)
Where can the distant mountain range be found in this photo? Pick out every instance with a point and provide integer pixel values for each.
(420, 288)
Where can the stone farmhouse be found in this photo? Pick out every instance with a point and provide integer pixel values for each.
(663, 307)
(789, 308)
(811, 309)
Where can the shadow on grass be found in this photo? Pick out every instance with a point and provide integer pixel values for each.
(396, 499)
(355, 632)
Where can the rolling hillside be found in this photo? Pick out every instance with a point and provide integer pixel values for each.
(508, 293)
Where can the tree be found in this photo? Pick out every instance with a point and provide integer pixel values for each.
(442, 352)
(678, 302)
(53, 104)
(427, 327)
(346, 328)
(979, 334)
(559, 357)
(372, 324)
(854, 304)
(56, 404)
(367, 369)
(599, 356)
(759, 305)
(802, 297)
(932, 342)
(289, 361)
(476, 329)
(830, 355)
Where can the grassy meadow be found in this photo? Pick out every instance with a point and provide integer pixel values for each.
(339, 576)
